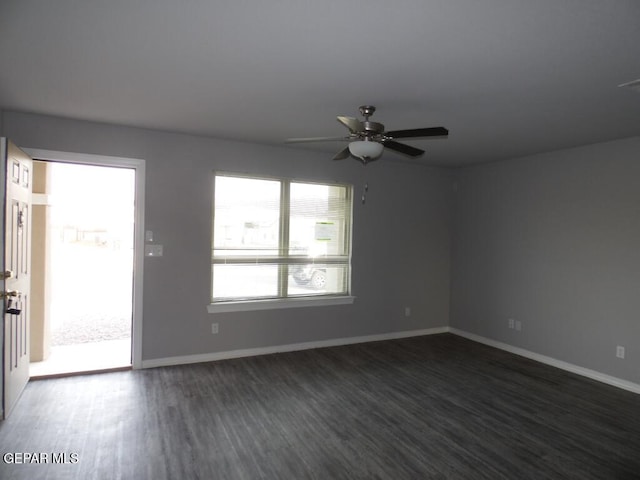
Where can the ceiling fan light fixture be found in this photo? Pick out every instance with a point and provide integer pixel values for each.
(366, 149)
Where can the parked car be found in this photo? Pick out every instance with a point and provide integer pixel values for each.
(309, 275)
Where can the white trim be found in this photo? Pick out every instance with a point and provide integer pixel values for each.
(569, 367)
(82, 158)
(40, 199)
(139, 166)
(250, 352)
(275, 303)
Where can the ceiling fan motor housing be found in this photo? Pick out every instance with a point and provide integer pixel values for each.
(372, 129)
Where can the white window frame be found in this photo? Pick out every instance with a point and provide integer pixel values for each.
(283, 301)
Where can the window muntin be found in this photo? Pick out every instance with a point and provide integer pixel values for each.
(278, 238)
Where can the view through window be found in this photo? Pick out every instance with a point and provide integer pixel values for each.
(277, 238)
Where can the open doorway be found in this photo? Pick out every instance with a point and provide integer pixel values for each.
(83, 265)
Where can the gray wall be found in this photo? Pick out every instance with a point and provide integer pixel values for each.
(553, 241)
(401, 237)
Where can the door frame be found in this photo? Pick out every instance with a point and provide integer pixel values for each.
(138, 165)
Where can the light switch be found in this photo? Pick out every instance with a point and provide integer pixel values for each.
(148, 236)
(152, 250)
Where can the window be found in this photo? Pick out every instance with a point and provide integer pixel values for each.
(279, 239)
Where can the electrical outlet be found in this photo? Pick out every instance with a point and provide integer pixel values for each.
(619, 351)
(511, 323)
(152, 250)
(214, 328)
(518, 325)
(407, 311)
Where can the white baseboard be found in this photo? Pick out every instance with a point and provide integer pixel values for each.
(250, 352)
(336, 342)
(585, 372)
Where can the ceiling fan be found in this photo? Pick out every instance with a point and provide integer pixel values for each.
(368, 139)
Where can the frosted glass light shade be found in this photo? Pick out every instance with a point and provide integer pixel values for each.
(366, 149)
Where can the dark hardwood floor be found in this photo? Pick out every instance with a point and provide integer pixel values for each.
(435, 407)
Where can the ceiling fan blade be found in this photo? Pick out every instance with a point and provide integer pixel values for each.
(403, 148)
(342, 154)
(353, 124)
(419, 132)
(315, 139)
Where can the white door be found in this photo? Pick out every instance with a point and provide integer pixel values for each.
(15, 272)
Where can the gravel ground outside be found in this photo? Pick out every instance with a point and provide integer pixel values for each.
(90, 328)
(99, 308)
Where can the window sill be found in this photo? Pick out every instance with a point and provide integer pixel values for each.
(271, 304)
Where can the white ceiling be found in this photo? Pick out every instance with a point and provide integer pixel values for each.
(507, 77)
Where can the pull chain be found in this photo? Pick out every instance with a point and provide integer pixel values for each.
(364, 193)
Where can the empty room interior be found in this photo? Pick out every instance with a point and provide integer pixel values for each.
(370, 239)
